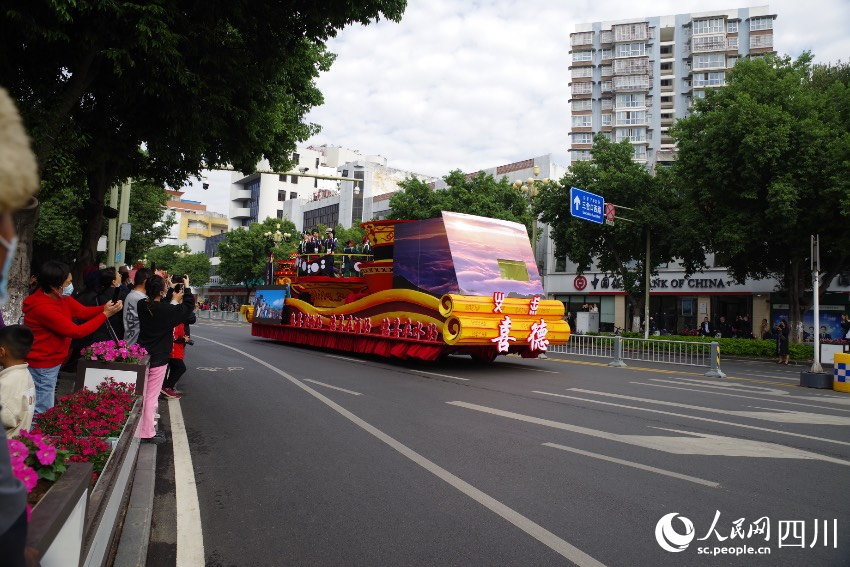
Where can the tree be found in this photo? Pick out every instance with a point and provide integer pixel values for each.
(162, 90)
(244, 252)
(162, 257)
(765, 164)
(151, 222)
(478, 195)
(618, 251)
(196, 266)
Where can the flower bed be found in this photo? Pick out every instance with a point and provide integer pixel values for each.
(81, 422)
(105, 360)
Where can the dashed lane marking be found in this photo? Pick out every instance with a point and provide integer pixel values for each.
(352, 392)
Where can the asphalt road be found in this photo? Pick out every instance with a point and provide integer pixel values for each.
(305, 457)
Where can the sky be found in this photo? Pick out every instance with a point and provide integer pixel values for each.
(475, 84)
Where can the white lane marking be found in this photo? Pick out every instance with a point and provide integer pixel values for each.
(735, 395)
(353, 393)
(736, 387)
(635, 465)
(440, 375)
(538, 532)
(539, 370)
(779, 416)
(190, 538)
(697, 418)
(693, 444)
(344, 358)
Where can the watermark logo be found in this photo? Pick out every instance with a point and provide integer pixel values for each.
(667, 536)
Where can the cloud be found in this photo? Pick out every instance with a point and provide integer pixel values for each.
(469, 85)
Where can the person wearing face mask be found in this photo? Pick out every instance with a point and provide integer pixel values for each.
(157, 319)
(50, 313)
(18, 184)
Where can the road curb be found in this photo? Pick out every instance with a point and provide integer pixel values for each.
(135, 534)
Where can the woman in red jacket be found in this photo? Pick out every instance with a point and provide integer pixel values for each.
(48, 312)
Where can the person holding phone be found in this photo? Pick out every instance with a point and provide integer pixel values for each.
(50, 313)
(157, 318)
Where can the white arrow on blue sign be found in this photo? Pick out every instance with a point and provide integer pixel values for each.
(587, 206)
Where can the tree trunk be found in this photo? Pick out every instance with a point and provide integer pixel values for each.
(18, 286)
(98, 183)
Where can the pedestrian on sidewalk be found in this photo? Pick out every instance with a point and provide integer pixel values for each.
(157, 319)
(131, 314)
(176, 366)
(50, 313)
(17, 390)
(18, 184)
(782, 335)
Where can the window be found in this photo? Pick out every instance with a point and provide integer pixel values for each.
(631, 49)
(764, 23)
(631, 100)
(640, 152)
(606, 119)
(632, 83)
(709, 43)
(317, 163)
(732, 43)
(293, 194)
(630, 134)
(730, 62)
(582, 138)
(607, 70)
(606, 135)
(757, 41)
(577, 89)
(626, 32)
(582, 104)
(628, 117)
(708, 79)
(296, 158)
(279, 214)
(581, 155)
(583, 121)
(582, 72)
(582, 38)
(711, 25)
(582, 55)
(281, 195)
(708, 60)
(293, 179)
(606, 54)
(606, 86)
(606, 36)
(282, 178)
(732, 26)
(607, 104)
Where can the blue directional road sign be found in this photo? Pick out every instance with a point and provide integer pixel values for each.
(587, 206)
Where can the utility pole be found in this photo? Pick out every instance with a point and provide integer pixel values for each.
(646, 293)
(123, 224)
(112, 229)
(815, 265)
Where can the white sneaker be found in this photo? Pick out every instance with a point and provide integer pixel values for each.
(156, 416)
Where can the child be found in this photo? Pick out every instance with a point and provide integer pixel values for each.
(176, 366)
(17, 390)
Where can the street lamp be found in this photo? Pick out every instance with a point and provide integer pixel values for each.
(531, 187)
(183, 251)
(275, 237)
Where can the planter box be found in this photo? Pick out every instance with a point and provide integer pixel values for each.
(58, 520)
(828, 352)
(110, 494)
(90, 373)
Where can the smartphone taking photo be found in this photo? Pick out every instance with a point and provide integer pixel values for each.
(115, 293)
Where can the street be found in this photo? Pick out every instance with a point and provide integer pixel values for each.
(306, 457)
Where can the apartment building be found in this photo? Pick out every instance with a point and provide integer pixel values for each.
(631, 79)
(194, 223)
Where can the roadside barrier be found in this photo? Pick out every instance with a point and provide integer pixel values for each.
(620, 349)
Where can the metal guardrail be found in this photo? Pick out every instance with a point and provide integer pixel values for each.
(619, 349)
(220, 315)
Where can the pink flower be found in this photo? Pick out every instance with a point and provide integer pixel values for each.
(18, 451)
(46, 454)
(28, 476)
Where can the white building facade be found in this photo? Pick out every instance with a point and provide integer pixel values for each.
(631, 79)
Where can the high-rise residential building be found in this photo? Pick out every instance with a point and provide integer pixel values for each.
(631, 79)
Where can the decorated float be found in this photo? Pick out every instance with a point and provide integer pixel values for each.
(457, 284)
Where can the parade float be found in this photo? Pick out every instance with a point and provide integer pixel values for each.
(456, 284)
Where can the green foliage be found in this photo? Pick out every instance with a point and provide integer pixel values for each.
(244, 252)
(163, 257)
(147, 200)
(480, 195)
(764, 163)
(196, 266)
(619, 250)
(355, 234)
(195, 85)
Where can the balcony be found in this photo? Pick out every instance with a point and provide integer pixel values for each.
(240, 194)
(240, 213)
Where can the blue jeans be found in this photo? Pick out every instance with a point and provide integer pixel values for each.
(45, 387)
